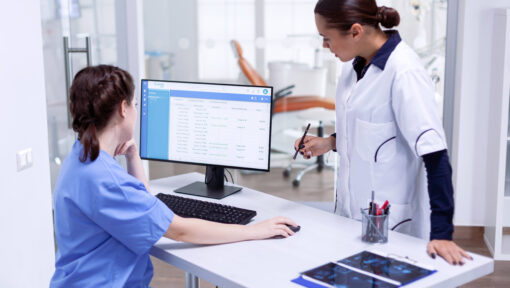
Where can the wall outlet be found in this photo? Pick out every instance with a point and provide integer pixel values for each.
(24, 159)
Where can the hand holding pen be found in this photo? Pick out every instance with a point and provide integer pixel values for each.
(301, 142)
(314, 146)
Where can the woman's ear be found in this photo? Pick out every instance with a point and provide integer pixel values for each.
(123, 108)
(357, 31)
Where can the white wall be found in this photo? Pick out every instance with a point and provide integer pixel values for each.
(471, 116)
(27, 250)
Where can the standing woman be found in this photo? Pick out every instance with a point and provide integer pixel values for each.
(105, 218)
(388, 133)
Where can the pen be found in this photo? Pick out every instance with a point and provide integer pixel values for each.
(387, 209)
(378, 211)
(372, 208)
(301, 142)
(384, 205)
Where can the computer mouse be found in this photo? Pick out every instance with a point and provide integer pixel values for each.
(293, 228)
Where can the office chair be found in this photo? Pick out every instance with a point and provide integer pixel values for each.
(283, 102)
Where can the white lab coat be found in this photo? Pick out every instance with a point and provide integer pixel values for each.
(385, 123)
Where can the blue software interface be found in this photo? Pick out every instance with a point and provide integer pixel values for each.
(224, 125)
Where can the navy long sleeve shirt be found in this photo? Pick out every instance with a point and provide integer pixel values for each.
(439, 179)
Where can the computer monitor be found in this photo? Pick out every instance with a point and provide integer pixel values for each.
(217, 125)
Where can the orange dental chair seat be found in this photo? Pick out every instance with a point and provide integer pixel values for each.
(281, 104)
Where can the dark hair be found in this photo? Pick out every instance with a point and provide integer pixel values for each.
(341, 14)
(95, 94)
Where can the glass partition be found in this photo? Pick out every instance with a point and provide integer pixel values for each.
(75, 20)
(191, 40)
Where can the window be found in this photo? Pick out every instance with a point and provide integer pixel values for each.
(287, 33)
(220, 21)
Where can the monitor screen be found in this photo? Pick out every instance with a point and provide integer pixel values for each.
(206, 124)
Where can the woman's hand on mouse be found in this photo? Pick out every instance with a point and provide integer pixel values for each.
(272, 227)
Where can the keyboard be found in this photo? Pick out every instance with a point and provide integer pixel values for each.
(192, 208)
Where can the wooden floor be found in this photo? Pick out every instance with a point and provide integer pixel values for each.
(315, 187)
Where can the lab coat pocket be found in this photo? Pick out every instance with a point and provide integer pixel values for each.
(399, 213)
(375, 141)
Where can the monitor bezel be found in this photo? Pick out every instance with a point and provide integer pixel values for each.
(209, 164)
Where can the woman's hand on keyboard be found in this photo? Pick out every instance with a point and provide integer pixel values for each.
(272, 227)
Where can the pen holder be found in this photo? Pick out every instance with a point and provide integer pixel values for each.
(374, 229)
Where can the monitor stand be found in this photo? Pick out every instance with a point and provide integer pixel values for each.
(213, 188)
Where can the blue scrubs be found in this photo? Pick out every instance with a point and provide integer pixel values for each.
(105, 224)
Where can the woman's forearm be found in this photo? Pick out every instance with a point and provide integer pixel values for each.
(135, 169)
(199, 231)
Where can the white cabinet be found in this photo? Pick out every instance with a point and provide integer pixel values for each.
(497, 214)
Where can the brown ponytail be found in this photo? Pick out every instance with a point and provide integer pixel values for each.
(90, 143)
(95, 94)
(341, 14)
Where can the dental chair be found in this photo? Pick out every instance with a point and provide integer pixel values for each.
(284, 102)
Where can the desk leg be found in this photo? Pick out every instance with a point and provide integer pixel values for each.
(192, 281)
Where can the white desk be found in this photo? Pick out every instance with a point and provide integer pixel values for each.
(274, 263)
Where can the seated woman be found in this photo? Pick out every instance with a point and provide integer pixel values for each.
(105, 218)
